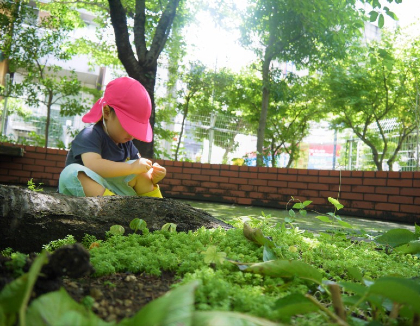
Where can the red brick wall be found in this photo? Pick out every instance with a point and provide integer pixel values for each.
(393, 196)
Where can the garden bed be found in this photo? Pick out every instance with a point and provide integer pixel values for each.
(259, 271)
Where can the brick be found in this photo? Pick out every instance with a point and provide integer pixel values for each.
(232, 174)
(309, 179)
(351, 196)
(229, 186)
(400, 199)
(256, 195)
(363, 189)
(318, 186)
(178, 163)
(376, 198)
(302, 171)
(267, 176)
(387, 190)
(248, 175)
(210, 172)
(9, 179)
(361, 204)
(174, 169)
(217, 191)
(368, 174)
(190, 183)
(407, 175)
(309, 194)
(174, 182)
(200, 177)
(210, 184)
(41, 175)
(11, 166)
(292, 171)
(280, 184)
(387, 207)
(381, 174)
(417, 201)
(297, 185)
(374, 182)
(238, 181)
(340, 188)
(269, 190)
(191, 171)
(324, 173)
(44, 162)
(40, 150)
(416, 183)
(258, 182)
(400, 182)
(286, 177)
(187, 164)
(313, 172)
(206, 166)
(237, 193)
(393, 175)
(253, 169)
(244, 201)
(50, 169)
(218, 179)
(356, 173)
(329, 180)
(272, 170)
(181, 189)
(247, 187)
(38, 168)
(351, 181)
(326, 194)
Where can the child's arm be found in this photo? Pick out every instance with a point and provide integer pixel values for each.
(109, 169)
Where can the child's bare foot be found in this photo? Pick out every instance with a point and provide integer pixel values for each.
(158, 173)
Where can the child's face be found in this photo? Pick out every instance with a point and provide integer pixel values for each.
(115, 130)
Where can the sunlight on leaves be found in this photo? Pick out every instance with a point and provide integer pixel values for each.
(335, 202)
(211, 256)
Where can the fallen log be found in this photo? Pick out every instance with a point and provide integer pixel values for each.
(31, 219)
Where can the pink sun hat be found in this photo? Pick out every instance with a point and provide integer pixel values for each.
(131, 103)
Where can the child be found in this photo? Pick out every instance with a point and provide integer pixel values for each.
(103, 160)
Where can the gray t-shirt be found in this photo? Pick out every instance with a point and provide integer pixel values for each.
(94, 139)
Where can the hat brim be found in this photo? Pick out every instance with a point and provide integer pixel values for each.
(139, 130)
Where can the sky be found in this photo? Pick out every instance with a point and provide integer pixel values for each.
(218, 48)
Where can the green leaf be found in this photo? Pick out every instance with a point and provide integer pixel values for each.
(373, 15)
(15, 296)
(323, 218)
(256, 236)
(59, 308)
(292, 213)
(416, 230)
(298, 206)
(413, 247)
(381, 21)
(268, 253)
(396, 237)
(302, 212)
(400, 290)
(335, 202)
(211, 256)
(294, 304)
(208, 318)
(344, 224)
(137, 224)
(289, 220)
(170, 227)
(174, 308)
(307, 202)
(117, 230)
(354, 287)
(286, 269)
(355, 273)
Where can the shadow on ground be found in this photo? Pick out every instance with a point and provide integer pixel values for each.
(229, 213)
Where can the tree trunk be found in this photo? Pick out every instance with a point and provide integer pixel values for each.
(32, 219)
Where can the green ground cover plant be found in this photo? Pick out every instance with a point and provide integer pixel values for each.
(260, 273)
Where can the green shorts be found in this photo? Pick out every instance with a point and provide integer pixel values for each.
(69, 184)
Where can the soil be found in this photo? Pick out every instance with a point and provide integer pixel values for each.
(116, 296)
(120, 295)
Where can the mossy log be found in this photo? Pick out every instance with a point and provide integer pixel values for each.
(31, 219)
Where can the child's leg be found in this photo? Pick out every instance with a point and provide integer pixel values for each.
(142, 184)
(90, 187)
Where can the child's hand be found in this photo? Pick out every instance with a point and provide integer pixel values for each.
(158, 173)
(142, 165)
